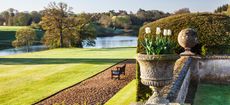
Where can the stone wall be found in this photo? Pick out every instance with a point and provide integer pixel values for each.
(207, 69)
(213, 69)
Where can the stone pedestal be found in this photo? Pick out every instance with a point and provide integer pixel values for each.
(157, 97)
(153, 100)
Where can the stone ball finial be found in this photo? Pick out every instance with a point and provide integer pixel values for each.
(187, 39)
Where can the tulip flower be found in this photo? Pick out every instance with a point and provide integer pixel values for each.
(165, 33)
(169, 32)
(147, 30)
(158, 30)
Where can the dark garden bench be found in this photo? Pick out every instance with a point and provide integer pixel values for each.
(116, 73)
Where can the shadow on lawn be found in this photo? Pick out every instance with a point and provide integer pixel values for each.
(34, 61)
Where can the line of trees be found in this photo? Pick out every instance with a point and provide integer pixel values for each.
(221, 8)
(224, 9)
(64, 28)
(12, 17)
(120, 19)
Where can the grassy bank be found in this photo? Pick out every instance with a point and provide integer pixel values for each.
(125, 96)
(28, 78)
(11, 28)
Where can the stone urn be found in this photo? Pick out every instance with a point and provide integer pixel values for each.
(156, 71)
(187, 39)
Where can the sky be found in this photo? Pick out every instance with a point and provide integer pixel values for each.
(106, 5)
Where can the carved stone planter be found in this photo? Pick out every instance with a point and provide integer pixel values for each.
(156, 72)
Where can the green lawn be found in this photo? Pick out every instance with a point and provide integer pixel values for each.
(208, 94)
(28, 78)
(125, 96)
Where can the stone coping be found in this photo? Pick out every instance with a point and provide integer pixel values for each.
(177, 81)
(217, 57)
(171, 90)
(212, 57)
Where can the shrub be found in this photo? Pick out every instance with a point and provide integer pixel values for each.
(203, 50)
(212, 30)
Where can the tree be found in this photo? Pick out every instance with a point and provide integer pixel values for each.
(149, 15)
(5, 15)
(55, 22)
(221, 9)
(182, 11)
(24, 37)
(112, 13)
(22, 19)
(12, 13)
(122, 12)
(63, 29)
(228, 11)
(85, 30)
(121, 21)
(105, 20)
(134, 19)
(36, 16)
(2, 20)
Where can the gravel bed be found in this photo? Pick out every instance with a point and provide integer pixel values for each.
(96, 90)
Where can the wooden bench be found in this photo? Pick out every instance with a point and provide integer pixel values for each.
(120, 70)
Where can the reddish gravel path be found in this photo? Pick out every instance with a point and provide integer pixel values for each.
(96, 90)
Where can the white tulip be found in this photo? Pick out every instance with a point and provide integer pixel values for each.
(169, 32)
(165, 33)
(158, 30)
(147, 30)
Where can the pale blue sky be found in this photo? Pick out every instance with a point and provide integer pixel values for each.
(106, 5)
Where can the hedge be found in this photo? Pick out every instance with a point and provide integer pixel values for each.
(212, 30)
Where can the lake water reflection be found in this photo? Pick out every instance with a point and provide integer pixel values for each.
(22, 50)
(115, 41)
(101, 42)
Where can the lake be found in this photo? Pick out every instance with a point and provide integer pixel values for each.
(101, 42)
(115, 41)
